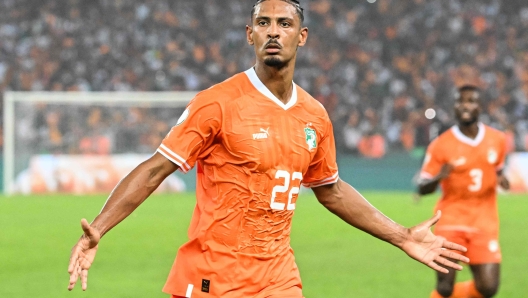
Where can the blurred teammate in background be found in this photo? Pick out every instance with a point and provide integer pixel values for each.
(255, 138)
(467, 160)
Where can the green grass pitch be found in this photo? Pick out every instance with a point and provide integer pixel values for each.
(37, 233)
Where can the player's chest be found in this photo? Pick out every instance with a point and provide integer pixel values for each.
(271, 138)
(483, 156)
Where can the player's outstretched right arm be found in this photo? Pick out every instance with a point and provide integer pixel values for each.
(129, 193)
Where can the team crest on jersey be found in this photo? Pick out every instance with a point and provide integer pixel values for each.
(183, 116)
(493, 246)
(492, 156)
(311, 138)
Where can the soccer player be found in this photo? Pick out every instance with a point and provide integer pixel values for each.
(467, 161)
(254, 139)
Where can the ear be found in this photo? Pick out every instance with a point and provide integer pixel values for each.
(303, 36)
(249, 35)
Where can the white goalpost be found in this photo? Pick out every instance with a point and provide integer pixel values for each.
(34, 121)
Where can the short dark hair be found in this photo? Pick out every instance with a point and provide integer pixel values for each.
(468, 87)
(295, 3)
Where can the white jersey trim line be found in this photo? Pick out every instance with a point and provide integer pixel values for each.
(425, 175)
(184, 167)
(464, 139)
(257, 83)
(176, 156)
(326, 181)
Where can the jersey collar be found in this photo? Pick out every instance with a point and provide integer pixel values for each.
(257, 83)
(464, 139)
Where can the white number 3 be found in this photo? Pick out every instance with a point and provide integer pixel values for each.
(284, 188)
(476, 176)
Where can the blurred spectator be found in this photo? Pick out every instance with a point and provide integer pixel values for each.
(352, 134)
(372, 145)
(95, 142)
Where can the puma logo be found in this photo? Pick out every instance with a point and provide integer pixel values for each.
(263, 134)
(459, 161)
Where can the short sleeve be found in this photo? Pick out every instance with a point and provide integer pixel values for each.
(193, 133)
(323, 168)
(432, 163)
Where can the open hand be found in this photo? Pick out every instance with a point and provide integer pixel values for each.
(82, 255)
(425, 247)
(503, 182)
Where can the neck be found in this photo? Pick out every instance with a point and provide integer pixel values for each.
(469, 130)
(278, 80)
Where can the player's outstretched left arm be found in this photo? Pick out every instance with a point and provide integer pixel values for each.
(418, 242)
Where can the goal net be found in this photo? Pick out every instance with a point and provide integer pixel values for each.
(84, 142)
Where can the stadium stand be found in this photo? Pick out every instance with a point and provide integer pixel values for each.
(375, 67)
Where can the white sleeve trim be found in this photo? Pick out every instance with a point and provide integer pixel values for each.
(425, 175)
(175, 158)
(326, 181)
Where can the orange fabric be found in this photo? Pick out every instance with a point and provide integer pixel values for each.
(481, 248)
(469, 200)
(465, 289)
(294, 292)
(252, 154)
(434, 294)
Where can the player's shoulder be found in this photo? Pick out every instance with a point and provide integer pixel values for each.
(228, 89)
(444, 139)
(312, 105)
(494, 133)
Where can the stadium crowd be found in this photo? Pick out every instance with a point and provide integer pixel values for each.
(376, 67)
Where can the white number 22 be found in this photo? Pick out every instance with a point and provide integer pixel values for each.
(476, 176)
(284, 188)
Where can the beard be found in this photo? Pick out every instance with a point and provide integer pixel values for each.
(274, 62)
(468, 122)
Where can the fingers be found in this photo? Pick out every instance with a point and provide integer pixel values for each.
(434, 219)
(453, 246)
(91, 233)
(84, 279)
(447, 263)
(437, 267)
(73, 258)
(455, 256)
(88, 230)
(73, 277)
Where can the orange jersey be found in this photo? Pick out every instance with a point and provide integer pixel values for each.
(469, 196)
(252, 154)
